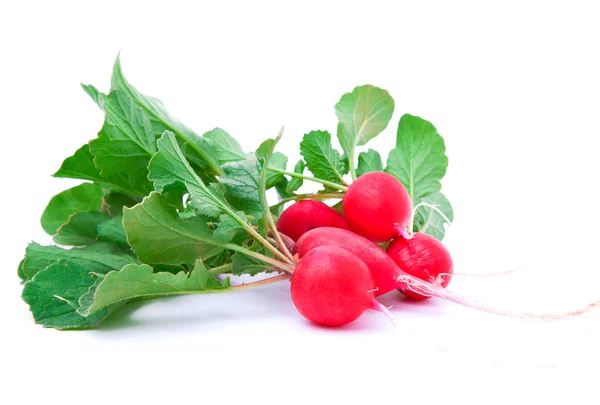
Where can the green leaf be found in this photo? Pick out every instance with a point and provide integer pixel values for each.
(81, 198)
(140, 281)
(362, 114)
(115, 202)
(419, 160)
(321, 159)
(53, 296)
(112, 231)
(162, 121)
(295, 183)
(97, 258)
(81, 166)
(95, 95)
(125, 143)
(225, 147)
(241, 186)
(369, 161)
(229, 228)
(170, 171)
(428, 220)
(158, 234)
(81, 228)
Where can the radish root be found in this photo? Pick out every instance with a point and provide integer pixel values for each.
(379, 307)
(421, 287)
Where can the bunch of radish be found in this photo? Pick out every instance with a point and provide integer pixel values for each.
(341, 268)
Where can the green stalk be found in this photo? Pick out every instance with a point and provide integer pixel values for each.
(258, 237)
(226, 268)
(310, 178)
(285, 267)
(323, 196)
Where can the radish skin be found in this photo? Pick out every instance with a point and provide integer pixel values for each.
(378, 207)
(305, 215)
(424, 257)
(382, 267)
(394, 278)
(333, 287)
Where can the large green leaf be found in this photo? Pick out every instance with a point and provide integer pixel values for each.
(295, 183)
(97, 258)
(321, 159)
(81, 166)
(419, 160)
(125, 143)
(158, 234)
(81, 198)
(161, 120)
(137, 281)
(241, 185)
(429, 220)
(362, 114)
(53, 296)
(112, 231)
(169, 170)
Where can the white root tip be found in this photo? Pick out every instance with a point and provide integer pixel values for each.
(379, 307)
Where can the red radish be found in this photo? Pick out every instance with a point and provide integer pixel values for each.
(305, 215)
(333, 287)
(377, 206)
(367, 252)
(422, 256)
(382, 267)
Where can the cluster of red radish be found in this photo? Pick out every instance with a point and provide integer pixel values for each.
(341, 269)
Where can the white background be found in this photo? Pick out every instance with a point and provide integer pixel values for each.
(513, 88)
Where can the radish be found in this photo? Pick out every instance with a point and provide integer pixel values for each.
(424, 257)
(382, 267)
(378, 207)
(305, 215)
(388, 276)
(333, 287)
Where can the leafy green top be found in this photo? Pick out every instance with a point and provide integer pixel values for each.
(166, 211)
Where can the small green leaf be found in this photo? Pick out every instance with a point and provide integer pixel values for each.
(362, 114)
(112, 231)
(158, 234)
(369, 161)
(419, 160)
(225, 147)
(278, 161)
(81, 198)
(295, 183)
(97, 258)
(428, 220)
(140, 281)
(81, 228)
(321, 159)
